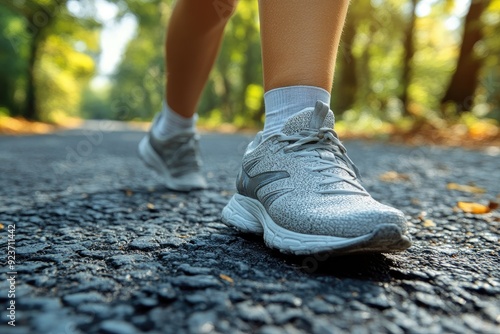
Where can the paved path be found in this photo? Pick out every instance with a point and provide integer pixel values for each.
(102, 247)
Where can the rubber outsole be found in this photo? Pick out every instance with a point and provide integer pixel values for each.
(154, 161)
(248, 215)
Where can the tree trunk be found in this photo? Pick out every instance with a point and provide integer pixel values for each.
(33, 12)
(464, 81)
(408, 56)
(31, 111)
(346, 85)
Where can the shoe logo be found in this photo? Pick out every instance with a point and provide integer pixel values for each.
(249, 185)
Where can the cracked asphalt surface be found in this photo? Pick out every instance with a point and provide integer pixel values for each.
(102, 247)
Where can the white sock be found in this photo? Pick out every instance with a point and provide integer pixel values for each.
(171, 123)
(282, 103)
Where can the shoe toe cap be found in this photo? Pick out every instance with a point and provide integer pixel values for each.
(340, 219)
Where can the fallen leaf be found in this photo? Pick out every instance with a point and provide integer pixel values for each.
(226, 278)
(465, 188)
(128, 192)
(150, 206)
(472, 207)
(1, 226)
(393, 176)
(482, 130)
(493, 205)
(429, 223)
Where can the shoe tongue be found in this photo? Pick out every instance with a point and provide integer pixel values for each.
(310, 119)
(314, 119)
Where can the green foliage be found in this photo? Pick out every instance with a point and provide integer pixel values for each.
(12, 62)
(378, 51)
(488, 95)
(234, 92)
(46, 67)
(64, 45)
(137, 87)
(95, 103)
(64, 73)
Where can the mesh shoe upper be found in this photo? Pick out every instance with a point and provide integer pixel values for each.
(176, 159)
(179, 153)
(308, 184)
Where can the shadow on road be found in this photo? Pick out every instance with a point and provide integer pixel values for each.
(374, 267)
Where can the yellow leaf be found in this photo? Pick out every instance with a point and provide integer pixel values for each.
(393, 176)
(481, 130)
(465, 188)
(150, 206)
(1, 226)
(475, 208)
(226, 278)
(429, 223)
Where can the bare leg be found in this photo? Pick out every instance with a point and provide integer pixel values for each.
(297, 186)
(193, 40)
(300, 40)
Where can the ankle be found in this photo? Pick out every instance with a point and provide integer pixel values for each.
(171, 123)
(282, 103)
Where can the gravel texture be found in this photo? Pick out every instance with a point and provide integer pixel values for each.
(102, 247)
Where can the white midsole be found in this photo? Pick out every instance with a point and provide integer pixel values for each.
(249, 215)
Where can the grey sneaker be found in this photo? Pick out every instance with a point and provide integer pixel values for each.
(176, 160)
(301, 191)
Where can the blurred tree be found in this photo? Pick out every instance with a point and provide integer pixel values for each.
(237, 77)
(345, 84)
(64, 67)
(13, 66)
(137, 86)
(39, 15)
(234, 90)
(47, 45)
(377, 53)
(489, 92)
(388, 54)
(436, 44)
(409, 52)
(464, 81)
(95, 104)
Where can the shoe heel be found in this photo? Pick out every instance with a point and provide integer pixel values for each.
(147, 154)
(244, 214)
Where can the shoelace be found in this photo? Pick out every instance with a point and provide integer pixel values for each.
(309, 143)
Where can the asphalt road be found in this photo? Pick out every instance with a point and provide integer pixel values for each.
(102, 247)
